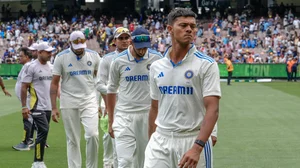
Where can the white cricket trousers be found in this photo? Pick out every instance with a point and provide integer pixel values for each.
(166, 149)
(131, 137)
(88, 117)
(109, 151)
(108, 157)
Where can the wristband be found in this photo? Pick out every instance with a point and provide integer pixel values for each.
(24, 107)
(200, 143)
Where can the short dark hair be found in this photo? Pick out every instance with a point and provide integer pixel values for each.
(180, 12)
(26, 52)
(110, 40)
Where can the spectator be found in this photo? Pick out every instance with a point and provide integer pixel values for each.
(294, 69)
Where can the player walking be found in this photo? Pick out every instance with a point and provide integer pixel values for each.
(185, 92)
(129, 73)
(121, 38)
(77, 66)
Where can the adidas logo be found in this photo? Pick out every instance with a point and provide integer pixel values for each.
(160, 75)
(127, 69)
(70, 65)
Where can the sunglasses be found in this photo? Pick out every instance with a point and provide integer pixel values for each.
(142, 38)
(123, 38)
(77, 41)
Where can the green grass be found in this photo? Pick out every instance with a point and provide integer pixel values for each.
(258, 127)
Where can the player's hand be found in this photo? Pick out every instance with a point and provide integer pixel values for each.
(6, 92)
(190, 158)
(55, 115)
(25, 113)
(111, 131)
(214, 140)
(99, 112)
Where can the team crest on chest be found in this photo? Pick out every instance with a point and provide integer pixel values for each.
(148, 66)
(89, 63)
(188, 74)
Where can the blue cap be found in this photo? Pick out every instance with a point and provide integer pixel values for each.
(141, 32)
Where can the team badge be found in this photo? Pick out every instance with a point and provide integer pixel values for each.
(189, 74)
(89, 63)
(148, 66)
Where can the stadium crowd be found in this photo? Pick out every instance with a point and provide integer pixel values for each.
(235, 37)
(265, 40)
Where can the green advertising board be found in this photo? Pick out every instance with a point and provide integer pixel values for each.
(240, 70)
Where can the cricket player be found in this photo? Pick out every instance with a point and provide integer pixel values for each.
(121, 40)
(37, 79)
(76, 67)
(185, 92)
(129, 73)
(27, 141)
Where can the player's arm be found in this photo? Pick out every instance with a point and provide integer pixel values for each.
(152, 117)
(154, 92)
(54, 88)
(102, 79)
(113, 85)
(211, 96)
(3, 88)
(26, 81)
(191, 157)
(25, 110)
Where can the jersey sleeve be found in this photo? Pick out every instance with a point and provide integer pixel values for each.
(211, 81)
(57, 66)
(102, 76)
(28, 75)
(114, 78)
(154, 91)
(24, 69)
(97, 62)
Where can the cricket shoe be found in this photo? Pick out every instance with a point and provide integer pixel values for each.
(21, 147)
(38, 165)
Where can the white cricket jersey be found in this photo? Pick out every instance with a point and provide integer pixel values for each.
(39, 76)
(103, 71)
(77, 86)
(180, 89)
(131, 77)
(19, 85)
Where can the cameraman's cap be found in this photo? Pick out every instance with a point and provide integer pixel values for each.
(44, 46)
